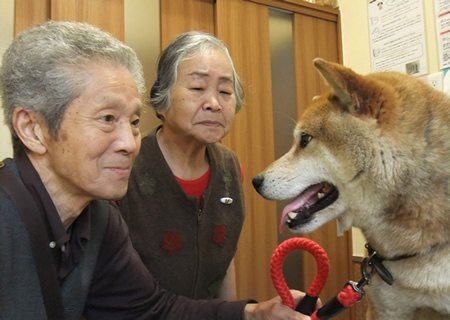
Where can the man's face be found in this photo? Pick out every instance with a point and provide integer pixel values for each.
(99, 138)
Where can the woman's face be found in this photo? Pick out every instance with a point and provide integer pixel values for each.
(203, 99)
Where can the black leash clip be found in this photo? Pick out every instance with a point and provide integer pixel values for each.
(376, 263)
(367, 271)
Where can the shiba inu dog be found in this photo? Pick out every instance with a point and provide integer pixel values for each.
(374, 153)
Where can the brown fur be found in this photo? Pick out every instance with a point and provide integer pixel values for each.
(383, 140)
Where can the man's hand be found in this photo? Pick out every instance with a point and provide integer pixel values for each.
(274, 309)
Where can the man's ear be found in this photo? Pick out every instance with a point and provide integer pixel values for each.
(31, 129)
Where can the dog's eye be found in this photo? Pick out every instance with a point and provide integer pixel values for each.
(304, 139)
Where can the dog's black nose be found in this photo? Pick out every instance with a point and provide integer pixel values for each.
(258, 181)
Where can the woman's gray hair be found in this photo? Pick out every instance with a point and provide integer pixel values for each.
(186, 46)
(45, 68)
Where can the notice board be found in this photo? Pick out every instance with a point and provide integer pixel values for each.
(397, 36)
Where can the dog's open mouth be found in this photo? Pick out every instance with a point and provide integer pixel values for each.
(311, 200)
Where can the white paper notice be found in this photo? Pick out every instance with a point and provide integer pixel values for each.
(397, 36)
(442, 11)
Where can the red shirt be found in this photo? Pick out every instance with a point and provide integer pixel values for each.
(196, 187)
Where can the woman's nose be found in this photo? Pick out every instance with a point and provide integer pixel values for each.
(212, 103)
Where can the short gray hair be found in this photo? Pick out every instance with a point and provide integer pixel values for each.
(44, 69)
(186, 46)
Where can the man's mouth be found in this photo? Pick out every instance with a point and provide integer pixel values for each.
(121, 170)
(312, 199)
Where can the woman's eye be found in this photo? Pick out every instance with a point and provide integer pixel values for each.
(229, 93)
(304, 140)
(197, 89)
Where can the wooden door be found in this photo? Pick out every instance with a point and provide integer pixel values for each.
(105, 14)
(252, 124)
(181, 16)
(317, 33)
(244, 26)
(30, 12)
(321, 40)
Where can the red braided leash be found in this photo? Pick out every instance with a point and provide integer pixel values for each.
(276, 268)
(350, 294)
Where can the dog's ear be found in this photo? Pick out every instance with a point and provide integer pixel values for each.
(346, 85)
(332, 75)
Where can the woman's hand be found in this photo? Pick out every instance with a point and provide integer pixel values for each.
(274, 309)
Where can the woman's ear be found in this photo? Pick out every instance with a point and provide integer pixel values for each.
(31, 129)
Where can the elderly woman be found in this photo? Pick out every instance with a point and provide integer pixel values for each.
(71, 96)
(185, 203)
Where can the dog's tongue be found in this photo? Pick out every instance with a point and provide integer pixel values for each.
(299, 202)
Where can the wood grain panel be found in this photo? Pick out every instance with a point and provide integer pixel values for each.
(359, 310)
(244, 27)
(181, 16)
(30, 12)
(314, 37)
(305, 8)
(106, 14)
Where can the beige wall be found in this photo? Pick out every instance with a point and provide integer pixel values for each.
(142, 26)
(355, 35)
(142, 33)
(6, 36)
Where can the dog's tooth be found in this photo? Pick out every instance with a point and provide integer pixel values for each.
(292, 215)
(320, 195)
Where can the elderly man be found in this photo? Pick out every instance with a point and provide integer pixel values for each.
(71, 96)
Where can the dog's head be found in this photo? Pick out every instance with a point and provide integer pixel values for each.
(335, 152)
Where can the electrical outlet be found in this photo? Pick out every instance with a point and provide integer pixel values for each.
(436, 80)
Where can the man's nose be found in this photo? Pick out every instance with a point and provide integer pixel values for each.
(128, 137)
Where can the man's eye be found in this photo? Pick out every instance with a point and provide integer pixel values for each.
(135, 123)
(108, 118)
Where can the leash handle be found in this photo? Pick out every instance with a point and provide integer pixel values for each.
(307, 305)
(351, 293)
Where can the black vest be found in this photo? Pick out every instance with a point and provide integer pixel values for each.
(187, 247)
